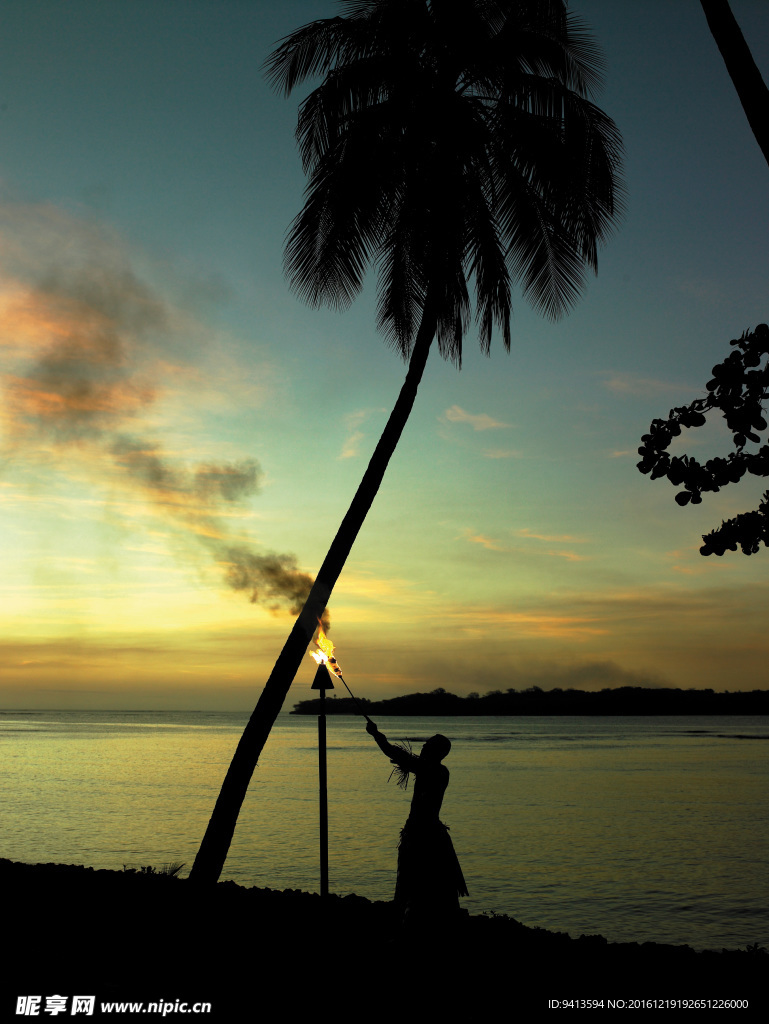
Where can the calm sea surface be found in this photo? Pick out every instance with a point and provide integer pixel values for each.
(640, 829)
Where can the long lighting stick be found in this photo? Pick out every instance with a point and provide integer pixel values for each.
(357, 702)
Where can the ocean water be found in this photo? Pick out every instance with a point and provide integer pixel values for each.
(639, 829)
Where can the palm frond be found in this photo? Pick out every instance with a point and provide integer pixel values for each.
(454, 147)
(309, 51)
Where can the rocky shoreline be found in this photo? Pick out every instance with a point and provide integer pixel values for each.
(130, 936)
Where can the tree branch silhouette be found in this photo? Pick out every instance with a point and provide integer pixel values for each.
(738, 389)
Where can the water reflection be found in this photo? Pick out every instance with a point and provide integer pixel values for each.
(635, 828)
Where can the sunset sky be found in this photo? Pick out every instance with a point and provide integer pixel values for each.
(174, 419)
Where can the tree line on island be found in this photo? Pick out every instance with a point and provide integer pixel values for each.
(622, 700)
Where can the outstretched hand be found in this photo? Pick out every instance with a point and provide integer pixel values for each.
(371, 728)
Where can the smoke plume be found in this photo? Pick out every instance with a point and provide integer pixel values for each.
(80, 333)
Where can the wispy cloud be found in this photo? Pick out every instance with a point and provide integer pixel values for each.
(533, 623)
(562, 538)
(493, 544)
(551, 538)
(503, 453)
(478, 421)
(377, 589)
(642, 387)
(486, 542)
(689, 562)
(350, 448)
(353, 422)
(704, 290)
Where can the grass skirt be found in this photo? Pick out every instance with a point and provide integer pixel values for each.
(429, 875)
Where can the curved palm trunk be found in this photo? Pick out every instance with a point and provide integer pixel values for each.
(216, 842)
(747, 80)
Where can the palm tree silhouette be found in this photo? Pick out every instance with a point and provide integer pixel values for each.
(450, 144)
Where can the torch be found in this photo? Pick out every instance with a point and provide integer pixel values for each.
(324, 656)
(322, 682)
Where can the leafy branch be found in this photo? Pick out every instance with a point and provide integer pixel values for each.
(739, 387)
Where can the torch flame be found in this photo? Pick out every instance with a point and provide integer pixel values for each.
(323, 643)
(325, 653)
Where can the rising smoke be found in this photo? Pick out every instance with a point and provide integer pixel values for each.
(81, 328)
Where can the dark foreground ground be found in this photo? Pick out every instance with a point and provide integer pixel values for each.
(260, 954)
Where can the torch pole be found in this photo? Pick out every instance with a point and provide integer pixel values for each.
(323, 795)
(322, 682)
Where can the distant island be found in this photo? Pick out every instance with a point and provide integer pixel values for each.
(623, 700)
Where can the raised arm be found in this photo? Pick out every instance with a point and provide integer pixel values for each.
(397, 755)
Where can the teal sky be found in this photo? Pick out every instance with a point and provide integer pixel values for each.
(147, 179)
